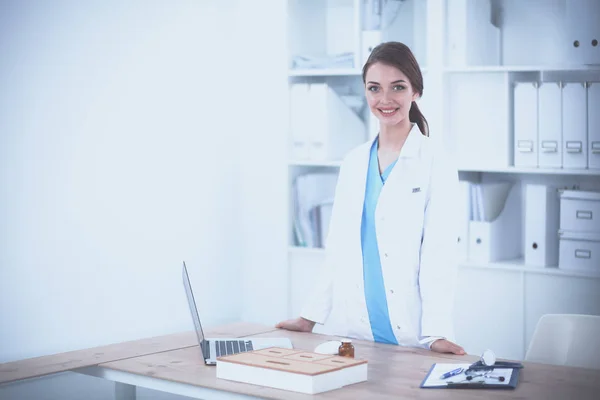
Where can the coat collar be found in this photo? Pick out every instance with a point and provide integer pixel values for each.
(412, 145)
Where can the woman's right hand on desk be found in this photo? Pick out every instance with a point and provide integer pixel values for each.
(298, 324)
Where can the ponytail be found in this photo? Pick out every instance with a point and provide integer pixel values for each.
(415, 115)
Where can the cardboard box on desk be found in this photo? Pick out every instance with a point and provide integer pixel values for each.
(294, 370)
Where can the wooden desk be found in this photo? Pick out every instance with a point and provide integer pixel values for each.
(394, 373)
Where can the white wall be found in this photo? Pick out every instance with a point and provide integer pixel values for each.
(119, 157)
(262, 63)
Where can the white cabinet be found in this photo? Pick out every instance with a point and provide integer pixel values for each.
(489, 312)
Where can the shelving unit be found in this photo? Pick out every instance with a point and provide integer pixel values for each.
(467, 103)
(532, 171)
(324, 72)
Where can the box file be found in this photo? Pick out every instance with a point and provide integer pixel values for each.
(499, 239)
(550, 125)
(593, 114)
(323, 127)
(579, 211)
(464, 220)
(541, 225)
(574, 125)
(334, 128)
(299, 126)
(579, 251)
(526, 124)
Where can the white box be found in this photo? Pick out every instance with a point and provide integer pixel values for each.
(550, 125)
(526, 124)
(593, 105)
(499, 239)
(579, 251)
(541, 225)
(292, 369)
(574, 125)
(579, 211)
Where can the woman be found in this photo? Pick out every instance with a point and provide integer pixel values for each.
(390, 268)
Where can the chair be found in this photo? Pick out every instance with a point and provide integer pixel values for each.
(566, 339)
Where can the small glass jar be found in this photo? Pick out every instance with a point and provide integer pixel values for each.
(346, 349)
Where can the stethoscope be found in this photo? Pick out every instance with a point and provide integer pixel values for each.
(484, 368)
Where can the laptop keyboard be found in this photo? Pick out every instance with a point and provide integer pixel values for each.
(227, 347)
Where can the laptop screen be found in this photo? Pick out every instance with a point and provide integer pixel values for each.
(193, 309)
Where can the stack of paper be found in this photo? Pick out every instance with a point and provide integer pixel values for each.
(293, 370)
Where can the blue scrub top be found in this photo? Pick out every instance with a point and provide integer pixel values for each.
(374, 288)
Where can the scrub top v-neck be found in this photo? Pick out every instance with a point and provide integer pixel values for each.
(373, 279)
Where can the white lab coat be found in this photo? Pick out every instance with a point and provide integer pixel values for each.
(417, 234)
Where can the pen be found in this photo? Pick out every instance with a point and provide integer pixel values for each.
(454, 372)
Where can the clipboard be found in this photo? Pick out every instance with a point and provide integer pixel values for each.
(433, 380)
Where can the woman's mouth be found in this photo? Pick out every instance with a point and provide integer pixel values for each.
(388, 112)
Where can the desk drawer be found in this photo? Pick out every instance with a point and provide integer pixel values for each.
(579, 211)
(579, 251)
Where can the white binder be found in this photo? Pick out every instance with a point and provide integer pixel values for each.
(526, 124)
(593, 106)
(574, 125)
(542, 215)
(550, 126)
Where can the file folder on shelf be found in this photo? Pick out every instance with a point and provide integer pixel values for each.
(500, 238)
(526, 124)
(550, 126)
(334, 128)
(323, 127)
(574, 125)
(541, 225)
(593, 105)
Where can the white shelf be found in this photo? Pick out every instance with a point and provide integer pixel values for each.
(306, 250)
(316, 163)
(521, 68)
(325, 72)
(518, 265)
(539, 171)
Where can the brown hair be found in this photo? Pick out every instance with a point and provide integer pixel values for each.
(396, 54)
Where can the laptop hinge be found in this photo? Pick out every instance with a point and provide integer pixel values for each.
(206, 349)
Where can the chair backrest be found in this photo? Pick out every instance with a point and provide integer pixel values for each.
(566, 339)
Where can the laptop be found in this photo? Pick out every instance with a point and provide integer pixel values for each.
(217, 347)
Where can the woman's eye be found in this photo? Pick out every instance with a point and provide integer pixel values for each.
(373, 89)
(399, 87)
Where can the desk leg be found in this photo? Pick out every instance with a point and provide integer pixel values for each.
(124, 391)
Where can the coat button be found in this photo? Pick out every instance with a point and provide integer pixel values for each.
(398, 327)
(385, 255)
(392, 291)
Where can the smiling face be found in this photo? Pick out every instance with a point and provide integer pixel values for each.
(389, 94)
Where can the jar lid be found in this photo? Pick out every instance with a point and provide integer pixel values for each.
(346, 341)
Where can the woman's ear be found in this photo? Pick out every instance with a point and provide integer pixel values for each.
(415, 96)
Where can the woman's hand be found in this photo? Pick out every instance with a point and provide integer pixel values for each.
(446, 346)
(299, 324)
